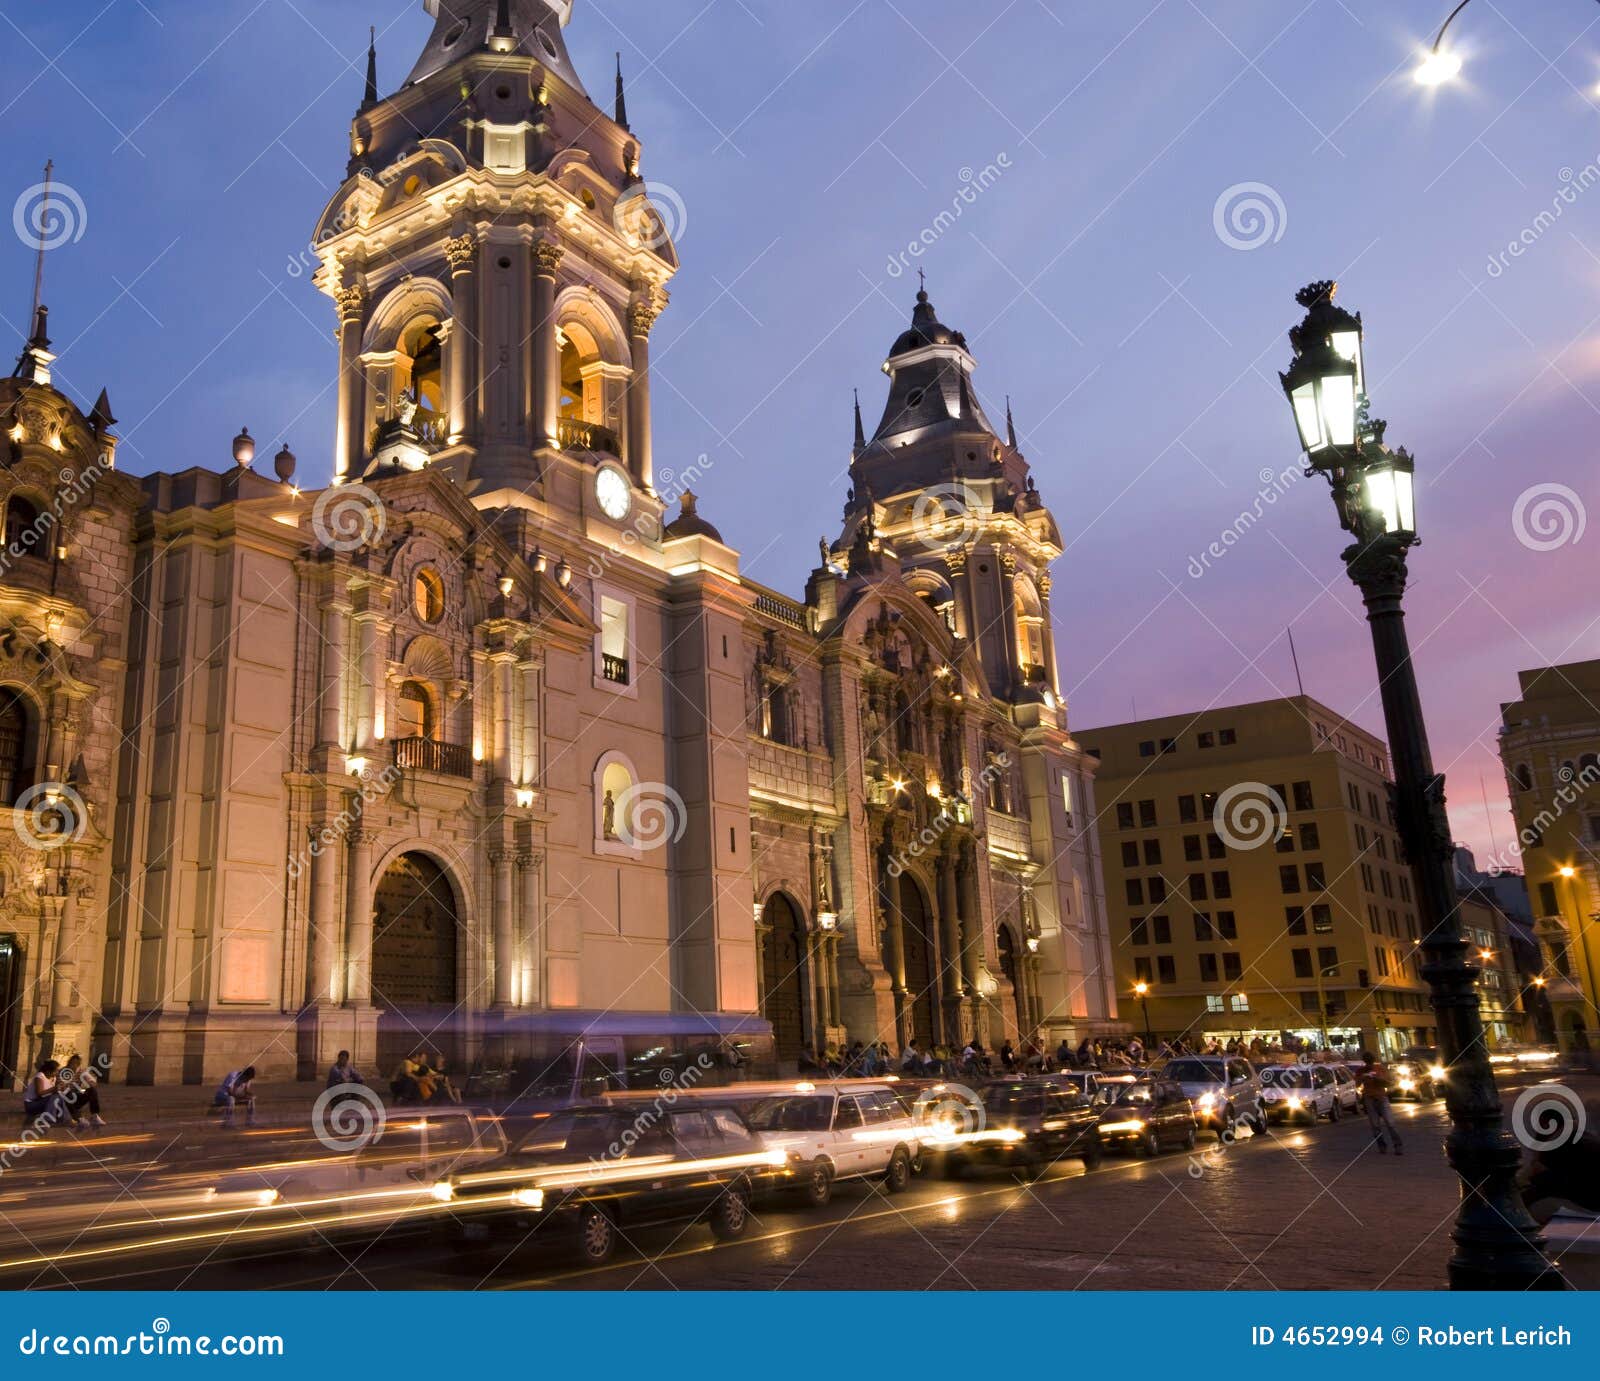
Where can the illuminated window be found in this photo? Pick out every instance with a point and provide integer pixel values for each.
(414, 716)
(16, 721)
(427, 596)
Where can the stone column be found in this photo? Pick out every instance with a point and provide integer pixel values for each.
(894, 950)
(1051, 669)
(370, 685)
(335, 631)
(531, 930)
(64, 974)
(1008, 610)
(950, 984)
(547, 257)
(358, 917)
(971, 932)
(350, 444)
(461, 253)
(529, 768)
(504, 664)
(324, 920)
(642, 316)
(504, 958)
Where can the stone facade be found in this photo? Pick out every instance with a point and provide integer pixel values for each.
(475, 750)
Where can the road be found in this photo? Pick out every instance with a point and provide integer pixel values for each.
(1296, 1209)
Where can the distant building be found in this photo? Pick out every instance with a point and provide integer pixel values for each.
(1550, 748)
(1254, 879)
(1524, 956)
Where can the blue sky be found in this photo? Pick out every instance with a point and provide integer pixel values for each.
(1098, 275)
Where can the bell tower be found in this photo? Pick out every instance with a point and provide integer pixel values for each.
(938, 492)
(496, 267)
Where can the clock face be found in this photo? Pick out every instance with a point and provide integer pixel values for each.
(613, 493)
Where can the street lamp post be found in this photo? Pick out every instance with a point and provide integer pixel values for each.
(1498, 1245)
(1143, 990)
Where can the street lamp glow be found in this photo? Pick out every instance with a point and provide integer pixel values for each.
(1141, 988)
(1438, 67)
(1568, 871)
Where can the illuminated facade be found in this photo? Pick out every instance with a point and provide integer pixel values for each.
(1550, 748)
(1254, 879)
(480, 749)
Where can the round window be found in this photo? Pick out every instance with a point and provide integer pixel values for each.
(546, 44)
(427, 597)
(454, 36)
(914, 398)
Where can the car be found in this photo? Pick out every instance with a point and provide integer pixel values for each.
(1097, 1085)
(1523, 1057)
(839, 1131)
(1416, 1075)
(1300, 1093)
(1027, 1124)
(1148, 1115)
(1346, 1088)
(592, 1172)
(1225, 1091)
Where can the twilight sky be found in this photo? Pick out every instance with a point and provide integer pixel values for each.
(1114, 274)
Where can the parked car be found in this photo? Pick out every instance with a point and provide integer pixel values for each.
(1224, 1089)
(592, 1172)
(1300, 1093)
(1097, 1086)
(1028, 1124)
(1346, 1088)
(1148, 1115)
(832, 1132)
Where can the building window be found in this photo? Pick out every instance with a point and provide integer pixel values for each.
(1152, 853)
(1241, 1002)
(1232, 967)
(1221, 886)
(21, 518)
(1130, 854)
(1191, 848)
(615, 664)
(1316, 877)
(1302, 965)
(1139, 931)
(1524, 777)
(1161, 929)
(1158, 890)
(1066, 797)
(1321, 919)
(1208, 968)
(1227, 927)
(1186, 811)
(1302, 796)
(1215, 847)
(1141, 969)
(414, 717)
(1548, 906)
(427, 595)
(1124, 815)
(1135, 892)
(1289, 878)
(1147, 749)
(1202, 927)
(16, 771)
(1294, 918)
(1197, 886)
(1206, 740)
(1166, 968)
(1310, 840)
(1213, 1002)
(1227, 737)
(1147, 814)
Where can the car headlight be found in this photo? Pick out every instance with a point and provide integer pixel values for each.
(1132, 1124)
(1408, 1085)
(442, 1191)
(1436, 1071)
(1295, 1101)
(528, 1198)
(1208, 1100)
(1012, 1134)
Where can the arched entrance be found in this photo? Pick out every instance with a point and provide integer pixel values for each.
(783, 975)
(916, 932)
(11, 966)
(414, 942)
(1012, 970)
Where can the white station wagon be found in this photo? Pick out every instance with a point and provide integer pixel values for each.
(839, 1131)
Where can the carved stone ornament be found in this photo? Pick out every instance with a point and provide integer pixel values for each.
(351, 301)
(460, 252)
(547, 257)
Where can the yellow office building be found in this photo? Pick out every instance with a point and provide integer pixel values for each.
(1254, 880)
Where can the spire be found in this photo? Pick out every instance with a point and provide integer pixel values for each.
(43, 223)
(861, 431)
(100, 417)
(622, 98)
(965, 401)
(371, 97)
(34, 362)
(1011, 427)
(502, 21)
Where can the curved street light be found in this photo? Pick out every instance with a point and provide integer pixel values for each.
(1441, 64)
(1498, 1245)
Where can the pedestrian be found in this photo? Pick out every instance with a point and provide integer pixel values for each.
(80, 1094)
(41, 1100)
(807, 1063)
(1064, 1055)
(1375, 1092)
(1008, 1057)
(343, 1071)
(237, 1087)
(911, 1058)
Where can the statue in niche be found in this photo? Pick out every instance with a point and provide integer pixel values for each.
(608, 817)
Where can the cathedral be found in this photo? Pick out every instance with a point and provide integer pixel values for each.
(488, 747)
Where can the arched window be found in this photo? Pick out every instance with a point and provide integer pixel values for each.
(1524, 775)
(615, 792)
(16, 743)
(1030, 630)
(414, 716)
(421, 342)
(427, 595)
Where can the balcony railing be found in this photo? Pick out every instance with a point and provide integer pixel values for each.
(429, 755)
(614, 669)
(574, 434)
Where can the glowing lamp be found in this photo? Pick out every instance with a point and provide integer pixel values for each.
(1438, 67)
(1390, 491)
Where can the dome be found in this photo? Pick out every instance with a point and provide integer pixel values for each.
(926, 329)
(689, 523)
